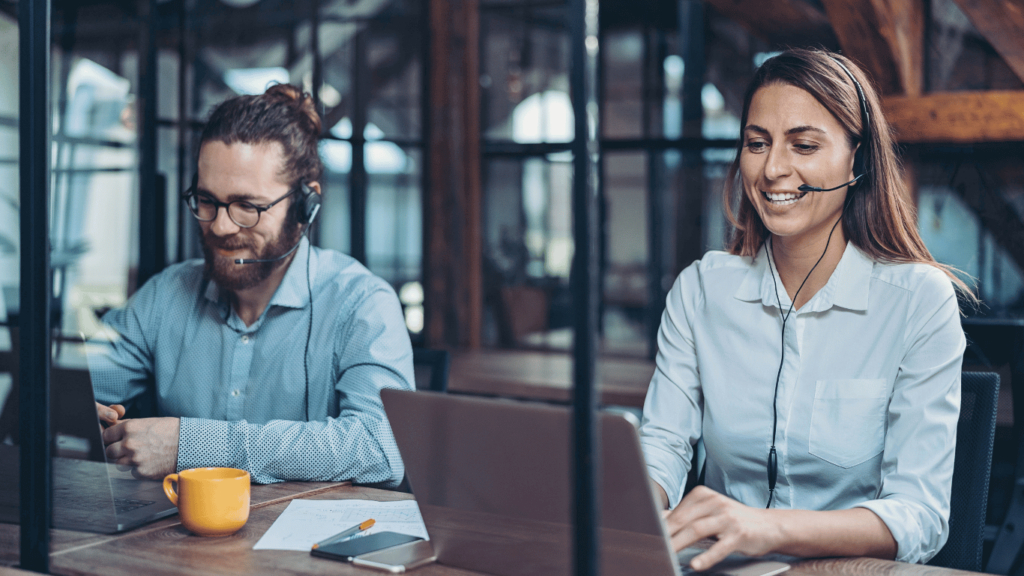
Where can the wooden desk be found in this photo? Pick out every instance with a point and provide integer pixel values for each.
(63, 541)
(168, 548)
(165, 547)
(546, 376)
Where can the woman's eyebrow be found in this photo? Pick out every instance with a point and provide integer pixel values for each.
(799, 129)
(796, 130)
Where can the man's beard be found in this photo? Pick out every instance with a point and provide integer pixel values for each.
(230, 276)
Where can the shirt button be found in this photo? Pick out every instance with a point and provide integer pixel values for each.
(245, 339)
(235, 392)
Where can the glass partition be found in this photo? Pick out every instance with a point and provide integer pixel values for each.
(10, 225)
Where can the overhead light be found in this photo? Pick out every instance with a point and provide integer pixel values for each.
(240, 3)
(544, 117)
(329, 95)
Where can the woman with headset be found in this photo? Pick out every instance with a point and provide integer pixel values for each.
(819, 358)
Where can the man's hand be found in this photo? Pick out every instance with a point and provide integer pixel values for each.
(149, 445)
(705, 513)
(109, 415)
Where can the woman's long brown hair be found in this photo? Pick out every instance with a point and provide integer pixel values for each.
(879, 218)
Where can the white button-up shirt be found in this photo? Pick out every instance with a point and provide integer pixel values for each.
(868, 400)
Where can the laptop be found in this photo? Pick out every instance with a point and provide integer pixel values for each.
(492, 480)
(89, 494)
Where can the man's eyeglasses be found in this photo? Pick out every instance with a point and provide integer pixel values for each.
(243, 213)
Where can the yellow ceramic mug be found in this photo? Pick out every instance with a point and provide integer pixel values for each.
(210, 501)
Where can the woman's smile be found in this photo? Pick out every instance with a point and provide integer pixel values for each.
(782, 198)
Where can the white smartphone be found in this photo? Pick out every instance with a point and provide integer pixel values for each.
(398, 559)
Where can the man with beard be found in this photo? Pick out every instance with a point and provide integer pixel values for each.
(244, 373)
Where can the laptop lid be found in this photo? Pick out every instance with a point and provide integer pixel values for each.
(88, 493)
(493, 483)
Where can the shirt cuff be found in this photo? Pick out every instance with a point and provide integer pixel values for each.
(204, 443)
(665, 468)
(913, 544)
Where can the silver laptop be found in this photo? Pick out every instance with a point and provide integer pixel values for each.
(492, 480)
(89, 494)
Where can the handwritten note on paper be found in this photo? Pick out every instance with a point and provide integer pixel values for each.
(306, 522)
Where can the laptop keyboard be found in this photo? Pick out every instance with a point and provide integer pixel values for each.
(122, 505)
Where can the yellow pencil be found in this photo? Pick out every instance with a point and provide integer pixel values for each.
(345, 533)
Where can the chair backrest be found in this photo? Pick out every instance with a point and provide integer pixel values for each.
(975, 432)
(431, 369)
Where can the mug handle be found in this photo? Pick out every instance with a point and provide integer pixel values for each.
(172, 493)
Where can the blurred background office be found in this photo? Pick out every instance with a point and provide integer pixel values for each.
(447, 144)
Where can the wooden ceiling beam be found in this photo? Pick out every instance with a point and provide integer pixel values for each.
(1001, 22)
(957, 117)
(780, 22)
(886, 37)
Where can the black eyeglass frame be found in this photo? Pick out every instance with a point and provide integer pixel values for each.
(191, 197)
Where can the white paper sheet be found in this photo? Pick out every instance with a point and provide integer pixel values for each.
(306, 522)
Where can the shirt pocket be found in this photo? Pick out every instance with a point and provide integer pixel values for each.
(848, 420)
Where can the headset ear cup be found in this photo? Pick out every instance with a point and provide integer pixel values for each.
(310, 205)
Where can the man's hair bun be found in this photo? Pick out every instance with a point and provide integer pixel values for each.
(301, 101)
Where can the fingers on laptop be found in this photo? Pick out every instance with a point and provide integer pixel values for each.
(705, 513)
(109, 415)
(116, 451)
(148, 445)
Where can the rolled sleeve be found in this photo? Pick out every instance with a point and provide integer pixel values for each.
(920, 442)
(335, 450)
(672, 410)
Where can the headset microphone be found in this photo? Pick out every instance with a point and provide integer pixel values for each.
(808, 188)
(262, 260)
(858, 162)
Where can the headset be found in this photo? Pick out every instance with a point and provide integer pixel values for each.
(858, 157)
(305, 209)
(858, 166)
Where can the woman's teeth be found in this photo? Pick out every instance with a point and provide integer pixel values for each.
(782, 199)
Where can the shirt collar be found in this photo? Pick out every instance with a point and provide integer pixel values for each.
(292, 293)
(750, 289)
(847, 288)
(854, 279)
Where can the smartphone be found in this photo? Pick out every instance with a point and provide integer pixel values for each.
(398, 559)
(346, 550)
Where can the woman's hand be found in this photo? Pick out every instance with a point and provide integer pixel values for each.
(705, 513)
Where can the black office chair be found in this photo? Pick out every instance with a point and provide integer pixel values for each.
(431, 369)
(975, 432)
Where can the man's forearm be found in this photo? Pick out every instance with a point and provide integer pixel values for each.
(333, 450)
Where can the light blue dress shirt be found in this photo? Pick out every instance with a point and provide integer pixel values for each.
(241, 391)
(868, 400)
